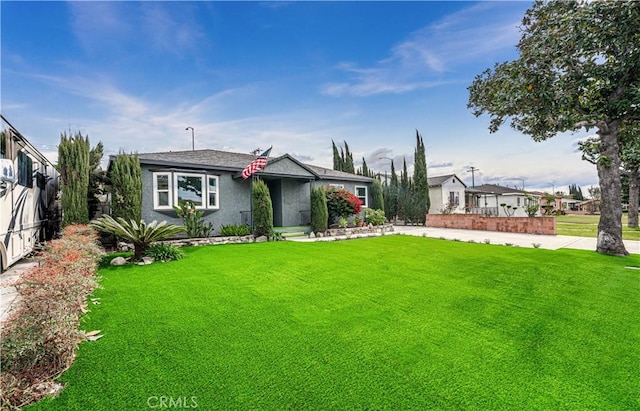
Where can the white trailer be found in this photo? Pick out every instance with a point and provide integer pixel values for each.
(29, 192)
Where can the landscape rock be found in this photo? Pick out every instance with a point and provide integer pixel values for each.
(261, 239)
(118, 261)
(312, 235)
(146, 261)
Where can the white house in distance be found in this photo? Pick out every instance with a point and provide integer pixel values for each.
(487, 199)
(446, 194)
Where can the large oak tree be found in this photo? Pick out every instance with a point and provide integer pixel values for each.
(579, 67)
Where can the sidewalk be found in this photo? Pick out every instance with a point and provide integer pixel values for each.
(551, 242)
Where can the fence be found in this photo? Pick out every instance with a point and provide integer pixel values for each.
(525, 225)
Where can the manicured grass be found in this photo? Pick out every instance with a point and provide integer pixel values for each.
(587, 226)
(395, 322)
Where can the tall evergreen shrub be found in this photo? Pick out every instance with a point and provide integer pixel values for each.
(377, 200)
(262, 209)
(126, 187)
(391, 195)
(319, 211)
(73, 163)
(419, 184)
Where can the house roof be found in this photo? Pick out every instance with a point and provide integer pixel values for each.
(495, 189)
(229, 161)
(439, 180)
(329, 174)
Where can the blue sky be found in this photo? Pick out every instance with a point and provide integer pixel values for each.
(294, 75)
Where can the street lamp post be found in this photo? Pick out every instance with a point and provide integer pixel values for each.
(193, 141)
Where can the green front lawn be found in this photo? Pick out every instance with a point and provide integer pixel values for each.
(587, 226)
(396, 322)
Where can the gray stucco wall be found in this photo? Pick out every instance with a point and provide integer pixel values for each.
(348, 185)
(234, 197)
(296, 199)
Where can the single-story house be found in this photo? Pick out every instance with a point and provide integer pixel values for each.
(487, 199)
(211, 179)
(446, 194)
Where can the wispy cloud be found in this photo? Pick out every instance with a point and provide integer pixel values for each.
(442, 164)
(426, 57)
(105, 27)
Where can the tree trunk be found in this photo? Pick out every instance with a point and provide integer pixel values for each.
(634, 193)
(608, 165)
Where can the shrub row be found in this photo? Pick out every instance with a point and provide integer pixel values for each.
(41, 335)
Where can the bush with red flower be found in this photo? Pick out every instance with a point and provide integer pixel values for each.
(341, 203)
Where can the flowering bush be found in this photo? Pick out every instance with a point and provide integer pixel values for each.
(41, 335)
(341, 203)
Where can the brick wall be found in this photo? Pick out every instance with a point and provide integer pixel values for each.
(526, 225)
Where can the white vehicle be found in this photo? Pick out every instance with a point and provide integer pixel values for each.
(29, 186)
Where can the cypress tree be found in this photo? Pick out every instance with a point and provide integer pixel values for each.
(337, 160)
(348, 160)
(97, 177)
(391, 197)
(365, 169)
(319, 211)
(126, 187)
(262, 209)
(73, 162)
(377, 199)
(420, 186)
(404, 194)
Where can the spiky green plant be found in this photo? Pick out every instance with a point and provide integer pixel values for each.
(140, 234)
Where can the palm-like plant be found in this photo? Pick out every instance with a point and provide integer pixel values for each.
(140, 234)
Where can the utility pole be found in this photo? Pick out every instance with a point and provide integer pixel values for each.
(473, 175)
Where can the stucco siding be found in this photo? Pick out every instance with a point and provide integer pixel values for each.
(435, 198)
(286, 166)
(296, 200)
(234, 197)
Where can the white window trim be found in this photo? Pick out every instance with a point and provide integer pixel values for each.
(204, 187)
(365, 203)
(336, 185)
(217, 205)
(172, 181)
(169, 191)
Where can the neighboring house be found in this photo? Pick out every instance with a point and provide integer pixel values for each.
(446, 194)
(487, 199)
(591, 206)
(563, 204)
(211, 179)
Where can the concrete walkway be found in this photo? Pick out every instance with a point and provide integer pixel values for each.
(551, 242)
(8, 293)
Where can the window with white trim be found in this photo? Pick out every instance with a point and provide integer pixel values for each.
(162, 191)
(361, 193)
(170, 189)
(212, 189)
(336, 185)
(188, 187)
(454, 198)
